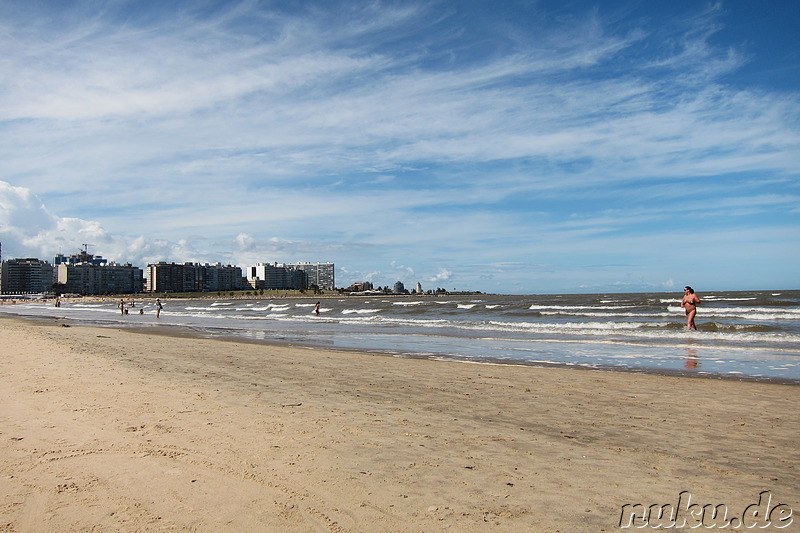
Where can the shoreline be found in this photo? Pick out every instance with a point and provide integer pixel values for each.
(189, 332)
(105, 428)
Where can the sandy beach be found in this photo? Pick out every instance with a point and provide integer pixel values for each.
(104, 429)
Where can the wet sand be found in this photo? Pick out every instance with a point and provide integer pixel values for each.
(106, 429)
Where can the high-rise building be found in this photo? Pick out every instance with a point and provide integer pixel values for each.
(319, 274)
(276, 276)
(102, 278)
(190, 277)
(171, 277)
(219, 277)
(26, 276)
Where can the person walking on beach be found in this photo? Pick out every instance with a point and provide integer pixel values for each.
(159, 307)
(689, 304)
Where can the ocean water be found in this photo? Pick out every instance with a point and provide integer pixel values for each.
(751, 334)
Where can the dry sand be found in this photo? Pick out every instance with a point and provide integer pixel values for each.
(113, 430)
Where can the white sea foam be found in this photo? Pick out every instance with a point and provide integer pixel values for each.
(605, 314)
(749, 313)
(636, 331)
(579, 307)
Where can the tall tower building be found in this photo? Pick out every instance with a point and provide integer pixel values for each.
(26, 276)
(319, 274)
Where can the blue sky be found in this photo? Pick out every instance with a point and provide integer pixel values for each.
(535, 147)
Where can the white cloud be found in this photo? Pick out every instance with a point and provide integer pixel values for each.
(442, 275)
(29, 229)
(20, 208)
(402, 269)
(370, 132)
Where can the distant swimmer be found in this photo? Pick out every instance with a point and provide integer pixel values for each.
(316, 308)
(689, 303)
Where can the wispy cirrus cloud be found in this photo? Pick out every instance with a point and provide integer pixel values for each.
(426, 129)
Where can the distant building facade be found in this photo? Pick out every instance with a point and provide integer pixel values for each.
(169, 277)
(99, 278)
(219, 277)
(360, 286)
(26, 276)
(191, 277)
(276, 276)
(319, 274)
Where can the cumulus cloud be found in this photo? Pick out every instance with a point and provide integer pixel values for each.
(245, 241)
(442, 275)
(406, 270)
(29, 229)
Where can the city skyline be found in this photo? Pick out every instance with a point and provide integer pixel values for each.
(527, 147)
(89, 274)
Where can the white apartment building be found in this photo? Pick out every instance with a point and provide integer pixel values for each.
(276, 276)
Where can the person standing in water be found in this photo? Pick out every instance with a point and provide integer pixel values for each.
(159, 307)
(689, 303)
(316, 308)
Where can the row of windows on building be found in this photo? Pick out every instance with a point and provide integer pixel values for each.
(87, 274)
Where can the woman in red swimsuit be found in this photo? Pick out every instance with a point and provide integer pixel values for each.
(689, 304)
